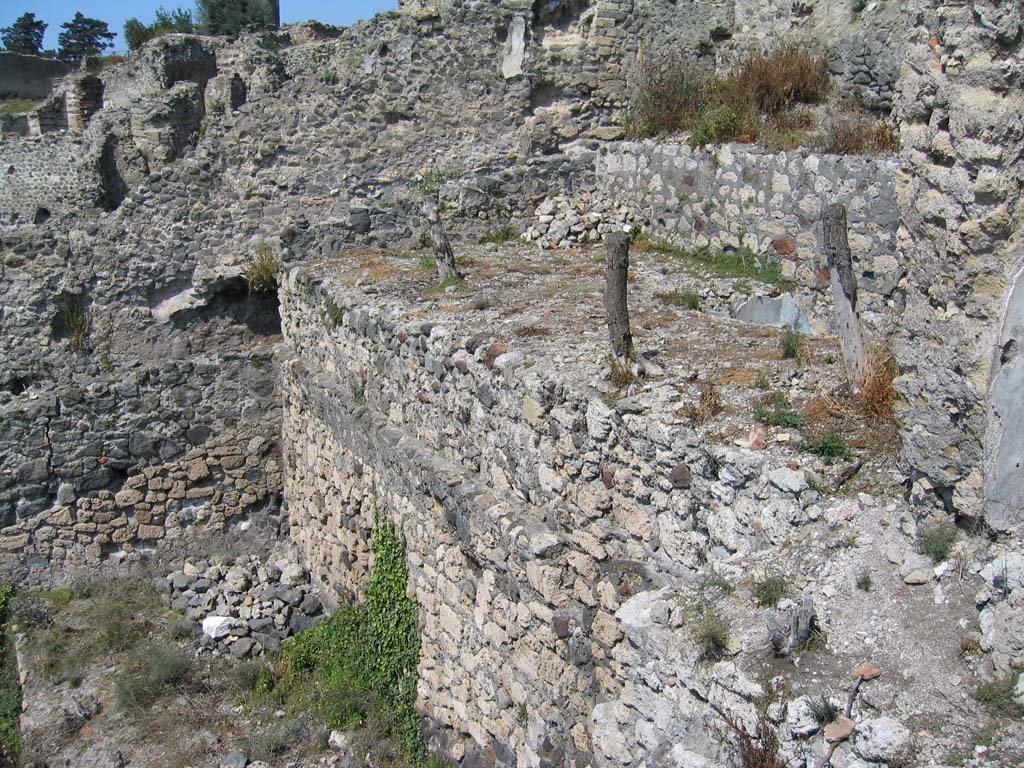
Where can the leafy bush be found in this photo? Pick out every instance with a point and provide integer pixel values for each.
(714, 125)
(137, 34)
(937, 542)
(829, 446)
(149, 674)
(778, 412)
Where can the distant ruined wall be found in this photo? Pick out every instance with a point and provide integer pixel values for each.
(29, 77)
(45, 174)
(737, 196)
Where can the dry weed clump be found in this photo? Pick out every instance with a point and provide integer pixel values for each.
(708, 404)
(878, 395)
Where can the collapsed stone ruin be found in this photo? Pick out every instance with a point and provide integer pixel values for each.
(560, 534)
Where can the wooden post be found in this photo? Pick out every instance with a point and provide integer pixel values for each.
(443, 254)
(616, 312)
(844, 293)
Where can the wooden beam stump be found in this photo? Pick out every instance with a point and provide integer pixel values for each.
(616, 311)
(844, 293)
(443, 254)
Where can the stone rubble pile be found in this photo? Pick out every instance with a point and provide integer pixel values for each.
(247, 606)
(559, 222)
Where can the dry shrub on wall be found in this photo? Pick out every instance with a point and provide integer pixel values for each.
(856, 133)
(775, 81)
(752, 103)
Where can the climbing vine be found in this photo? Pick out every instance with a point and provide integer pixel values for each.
(10, 690)
(361, 662)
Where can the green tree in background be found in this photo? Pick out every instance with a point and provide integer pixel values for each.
(83, 37)
(229, 17)
(136, 34)
(25, 35)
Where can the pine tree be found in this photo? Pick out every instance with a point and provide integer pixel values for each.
(25, 35)
(83, 37)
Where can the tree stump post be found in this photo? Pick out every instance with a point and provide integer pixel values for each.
(616, 311)
(844, 293)
(443, 254)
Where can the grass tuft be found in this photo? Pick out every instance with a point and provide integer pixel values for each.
(790, 343)
(151, 673)
(937, 542)
(823, 711)
(769, 591)
(997, 697)
(261, 272)
(778, 412)
(503, 234)
(829, 446)
(711, 634)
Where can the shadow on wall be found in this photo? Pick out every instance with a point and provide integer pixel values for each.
(231, 300)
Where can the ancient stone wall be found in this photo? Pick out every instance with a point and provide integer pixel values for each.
(963, 136)
(29, 77)
(532, 510)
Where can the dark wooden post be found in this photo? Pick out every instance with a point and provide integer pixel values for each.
(443, 254)
(844, 292)
(616, 312)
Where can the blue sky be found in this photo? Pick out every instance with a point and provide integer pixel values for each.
(115, 12)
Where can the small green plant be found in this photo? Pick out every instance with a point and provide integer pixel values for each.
(676, 298)
(329, 77)
(503, 234)
(864, 581)
(77, 321)
(778, 412)
(444, 285)
(58, 597)
(333, 313)
(523, 715)
(261, 272)
(150, 673)
(711, 634)
(736, 263)
(790, 343)
(429, 184)
(428, 263)
(769, 591)
(997, 697)
(823, 711)
(937, 541)
(829, 446)
(690, 300)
